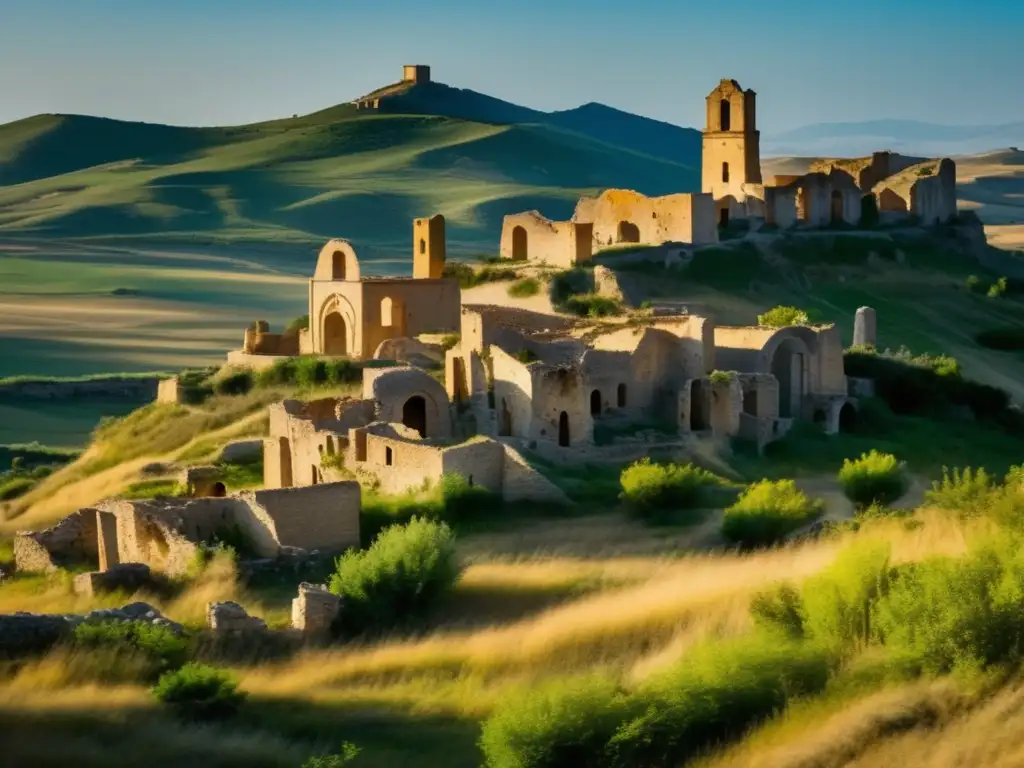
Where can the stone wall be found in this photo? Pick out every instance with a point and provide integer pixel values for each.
(625, 216)
(324, 517)
(520, 481)
(73, 540)
(532, 237)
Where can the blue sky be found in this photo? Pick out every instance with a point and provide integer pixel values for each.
(215, 62)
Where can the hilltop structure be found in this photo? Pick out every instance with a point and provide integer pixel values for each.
(832, 192)
(351, 316)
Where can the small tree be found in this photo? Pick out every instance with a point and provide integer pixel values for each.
(200, 691)
(874, 478)
(783, 317)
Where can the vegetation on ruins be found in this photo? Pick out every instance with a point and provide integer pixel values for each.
(782, 317)
(133, 650)
(524, 288)
(470, 276)
(767, 511)
(398, 579)
(874, 478)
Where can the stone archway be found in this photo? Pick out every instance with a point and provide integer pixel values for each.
(519, 243)
(628, 232)
(848, 418)
(414, 414)
(595, 403)
(563, 429)
(335, 340)
(789, 369)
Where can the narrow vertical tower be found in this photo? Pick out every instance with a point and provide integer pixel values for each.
(732, 153)
(428, 248)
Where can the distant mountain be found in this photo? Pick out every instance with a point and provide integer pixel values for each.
(362, 174)
(906, 136)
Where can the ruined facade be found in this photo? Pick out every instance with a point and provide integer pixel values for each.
(532, 237)
(831, 192)
(351, 315)
(165, 534)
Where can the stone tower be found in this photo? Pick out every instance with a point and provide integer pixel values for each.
(732, 152)
(428, 248)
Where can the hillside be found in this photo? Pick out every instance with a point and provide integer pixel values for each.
(335, 172)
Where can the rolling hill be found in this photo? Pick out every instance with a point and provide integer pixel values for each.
(337, 172)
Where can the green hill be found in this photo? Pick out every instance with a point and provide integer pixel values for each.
(338, 172)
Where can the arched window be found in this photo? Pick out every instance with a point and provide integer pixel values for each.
(423, 245)
(338, 266)
(622, 396)
(725, 115)
(386, 313)
(389, 456)
(725, 173)
(563, 429)
(595, 403)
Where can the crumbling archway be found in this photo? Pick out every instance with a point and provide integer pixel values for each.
(788, 368)
(699, 417)
(595, 403)
(628, 232)
(563, 429)
(519, 243)
(414, 414)
(837, 206)
(335, 335)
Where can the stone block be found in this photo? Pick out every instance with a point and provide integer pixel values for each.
(315, 609)
(231, 617)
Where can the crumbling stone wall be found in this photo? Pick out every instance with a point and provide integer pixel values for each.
(72, 540)
(626, 216)
(409, 396)
(532, 237)
(324, 517)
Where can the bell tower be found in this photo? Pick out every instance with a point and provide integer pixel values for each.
(732, 151)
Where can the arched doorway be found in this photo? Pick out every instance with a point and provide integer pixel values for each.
(595, 403)
(505, 423)
(335, 341)
(563, 429)
(788, 369)
(392, 315)
(848, 418)
(628, 232)
(621, 396)
(218, 490)
(837, 206)
(699, 420)
(519, 244)
(414, 414)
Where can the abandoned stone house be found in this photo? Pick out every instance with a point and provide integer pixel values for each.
(833, 191)
(351, 315)
(166, 533)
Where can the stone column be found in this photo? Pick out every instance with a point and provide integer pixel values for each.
(865, 328)
(314, 610)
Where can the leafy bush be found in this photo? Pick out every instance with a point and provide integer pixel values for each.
(522, 289)
(199, 691)
(566, 723)
(997, 289)
(237, 382)
(398, 579)
(300, 323)
(13, 487)
(767, 511)
(148, 650)
(874, 478)
(307, 372)
(721, 377)
(718, 692)
(463, 501)
(469, 277)
(783, 317)
(925, 384)
(967, 491)
(948, 612)
(651, 490)
(592, 305)
(1009, 339)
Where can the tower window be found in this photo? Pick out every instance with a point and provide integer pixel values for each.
(725, 115)
(725, 173)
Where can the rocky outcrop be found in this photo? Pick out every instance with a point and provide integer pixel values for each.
(231, 617)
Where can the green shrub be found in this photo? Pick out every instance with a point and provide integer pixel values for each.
(1009, 339)
(957, 612)
(463, 502)
(238, 382)
(398, 579)
(300, 323)
(523, 289)
(145, 650)
(307, 372)
(592, 305)
(450, 341)
(783, 317)
(349, 752)
(564, 723)
(13, 487)
(967, 491)
(199, 691)
(652, 490)
(767, 511)
(721, 377)
(470, 277)
(997, 289)
(874, 478)
(717, 693)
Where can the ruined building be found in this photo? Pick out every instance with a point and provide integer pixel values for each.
(351, 315)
